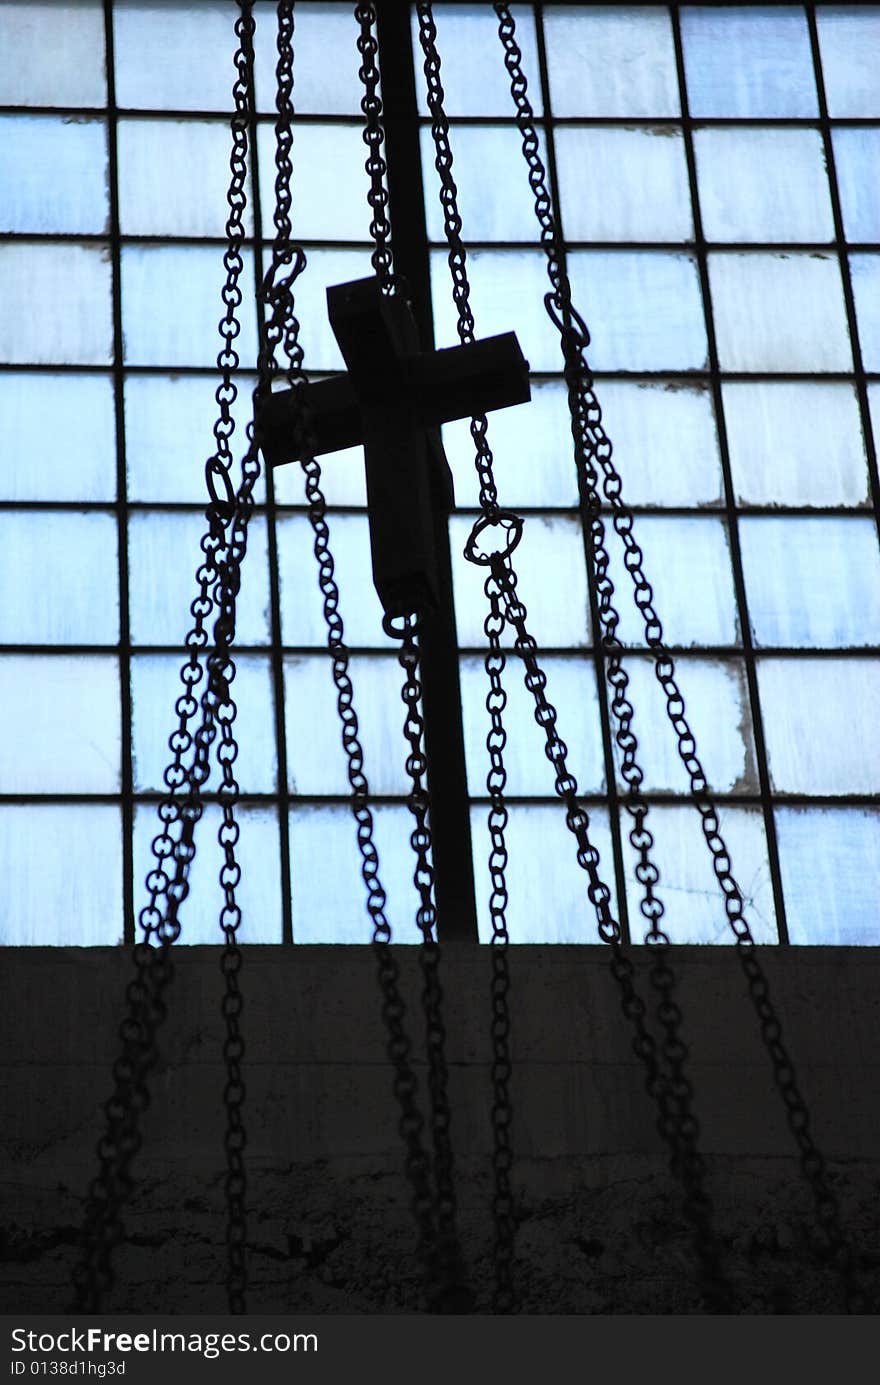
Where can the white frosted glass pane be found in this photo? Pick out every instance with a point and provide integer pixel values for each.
(548, 889)
(169, 423)
(507, 295)
(795, 442)
(665, 441)
(316, 763)
(820, 724)
(156, 687)
(56, 304)
(323, 268)
(688, 888)
(779, 312)
(329, 181)
(717, 709)
(497, 208)
(812, 581)
(53, 172)
(830, 864)
(329, 904)
(643, 309)
(53, 53)
(171, 305)
(687, 562)
(302, 614)
(475, 80)
(549, 561)
(748, 60)
(571, 687)
(175, 56)
(532, 448)
(56, 895)
(65, 710)
(58, 439)
(763, 185)
(59, 578)
(163, 555)
(173, 179)
(865, 270)
(259, 893)
(343, 479)
(611, 60)
(849, 40)
(856, 158)
(326, 64)
(623, 184)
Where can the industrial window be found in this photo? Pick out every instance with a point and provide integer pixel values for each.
(716, 172)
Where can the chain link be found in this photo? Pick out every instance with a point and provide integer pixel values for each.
(374, 138)
(592, 446)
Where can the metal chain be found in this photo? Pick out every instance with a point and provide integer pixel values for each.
(374, 138)
(593, 445)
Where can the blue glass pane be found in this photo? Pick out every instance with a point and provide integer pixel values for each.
(820, 724)
(53, 53)
(475, 80)
(56, 304)
(342, 479)
(830, 863)
(156, 42)
(173, 178)
(643, 309)
(171, 305)
(55, 894)
(498, 208)
(65, 710)
(53, 172)
(765, 184)
(779, 312)
(748, 60)
(302, 616)
(58, 437)
(865, 271)
(849, 37)
(611, 60)
(59, 577)
(323, 268)
(856, 156)
(665, 441)
(326, 64)
(637, 186)
(329, 181)
(508, 288)
(532, 448)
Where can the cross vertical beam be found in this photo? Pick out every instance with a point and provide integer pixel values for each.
(441, 692)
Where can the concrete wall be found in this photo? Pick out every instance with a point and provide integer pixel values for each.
(599, 1222)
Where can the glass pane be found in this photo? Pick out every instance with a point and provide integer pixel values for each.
(865, 270)
(531, 443)
(343, 479)
(329, 180)
(665, 441)
(326, 62)
(60, 578)
(173, 178)
(315, 760)
(324, 267)
(53, 53)
(55, 894)
(171, 305)
(849, 37)
(687, 562)
(571, 687)
(257, 852)
(688, 888)
(763, 185)
(156, 687)
(623, 184)
(795, 443)
(779, 312)
(500, 207)
(65, 711)
(812, 581)
(820, 724)
(57, 304)
(717, 709)
(156, 44)
(643, 309)
(163, 555)
(508, 288)
(611, 60)
(549, 562)
(53, 173)
(169, 421)
(329, 904)
(302, 615)
(58, 440)
(548, 890)
(856, 156)
(830, 863)
(475, 81)
(748, 60)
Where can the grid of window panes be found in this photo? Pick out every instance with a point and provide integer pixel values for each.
(714, 168)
